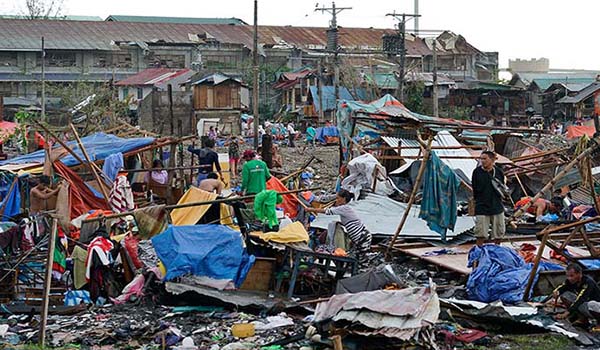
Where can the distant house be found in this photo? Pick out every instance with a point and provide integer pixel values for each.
(584, 104)
(223, 97)
(295, 88)
(138, 86)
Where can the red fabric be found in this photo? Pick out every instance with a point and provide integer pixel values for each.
(131, 244)
(290, 201)
(576, 131)
(81, 197)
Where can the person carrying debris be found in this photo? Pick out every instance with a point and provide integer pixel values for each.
(489, 210)
(580, 294)
(354, 227)
(40, 194)
(208, 160)
(255, 174)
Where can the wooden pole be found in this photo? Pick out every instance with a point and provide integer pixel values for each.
(536, 263)
(196, 204)
(101, 184)
(593, 187)
(48, 282)
(413, 194)
(521, 184)
(558, 176)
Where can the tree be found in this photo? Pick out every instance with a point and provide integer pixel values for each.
(42, 9)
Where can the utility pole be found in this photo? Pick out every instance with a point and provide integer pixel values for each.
(333, 44)
(43, 81)
(435, 81)
(255, 85)
(401, 48)
(417, 18)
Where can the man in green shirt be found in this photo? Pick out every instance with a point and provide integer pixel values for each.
(255, 174)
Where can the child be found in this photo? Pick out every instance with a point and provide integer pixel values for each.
(234, 156)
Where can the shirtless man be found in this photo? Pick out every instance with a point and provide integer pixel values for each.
(40, 194)
(211, 184)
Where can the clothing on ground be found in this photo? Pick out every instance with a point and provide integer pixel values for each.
(439, 204)
(487, 200)
(294, 232)
(79, 257)
(254, 176)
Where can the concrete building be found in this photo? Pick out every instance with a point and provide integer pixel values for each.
(534, 65)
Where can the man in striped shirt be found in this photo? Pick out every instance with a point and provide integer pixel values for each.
(354, 227)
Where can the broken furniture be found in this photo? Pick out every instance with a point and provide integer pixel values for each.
(323, 262)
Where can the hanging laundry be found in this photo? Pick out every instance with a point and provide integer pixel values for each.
(79, 257)
(112, 165)
(121, 196)
(151, 221)
(439, 206)
(102, 247)
(264, 207)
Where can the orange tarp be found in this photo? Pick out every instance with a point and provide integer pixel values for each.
(290, 201)
(576, 131)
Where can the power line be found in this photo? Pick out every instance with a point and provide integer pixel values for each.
(401, 48)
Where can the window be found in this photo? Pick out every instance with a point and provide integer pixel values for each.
(113, 59)
(167, 61)
(125, 93)
(140, 93)
(59, 59)
(8, 59)
(6, 89)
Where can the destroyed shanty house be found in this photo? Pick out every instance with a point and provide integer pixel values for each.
(149, 94)
(222, 98)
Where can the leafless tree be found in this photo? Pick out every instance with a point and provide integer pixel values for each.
(42, 9)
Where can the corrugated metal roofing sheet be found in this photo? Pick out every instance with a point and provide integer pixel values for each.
(581, 95)
(93, 35)
(184, 20)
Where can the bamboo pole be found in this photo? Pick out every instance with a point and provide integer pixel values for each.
(593, 187)
(48, 282)
(558, 176)
(196, 204)
(413, 194)
(287, 177)
(101, 183)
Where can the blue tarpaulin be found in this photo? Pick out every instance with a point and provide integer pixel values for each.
(327, 131)
(440, 186)
(98, 146)
(501, 274)
(214, 251)
(11, 203)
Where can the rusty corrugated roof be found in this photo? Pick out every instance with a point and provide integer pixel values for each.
(87, 35)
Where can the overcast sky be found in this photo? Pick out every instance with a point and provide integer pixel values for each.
(563, 31)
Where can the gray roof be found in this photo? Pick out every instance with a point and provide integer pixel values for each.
(582, 95)
(182, 20)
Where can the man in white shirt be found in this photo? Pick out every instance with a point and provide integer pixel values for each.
(291, 134)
